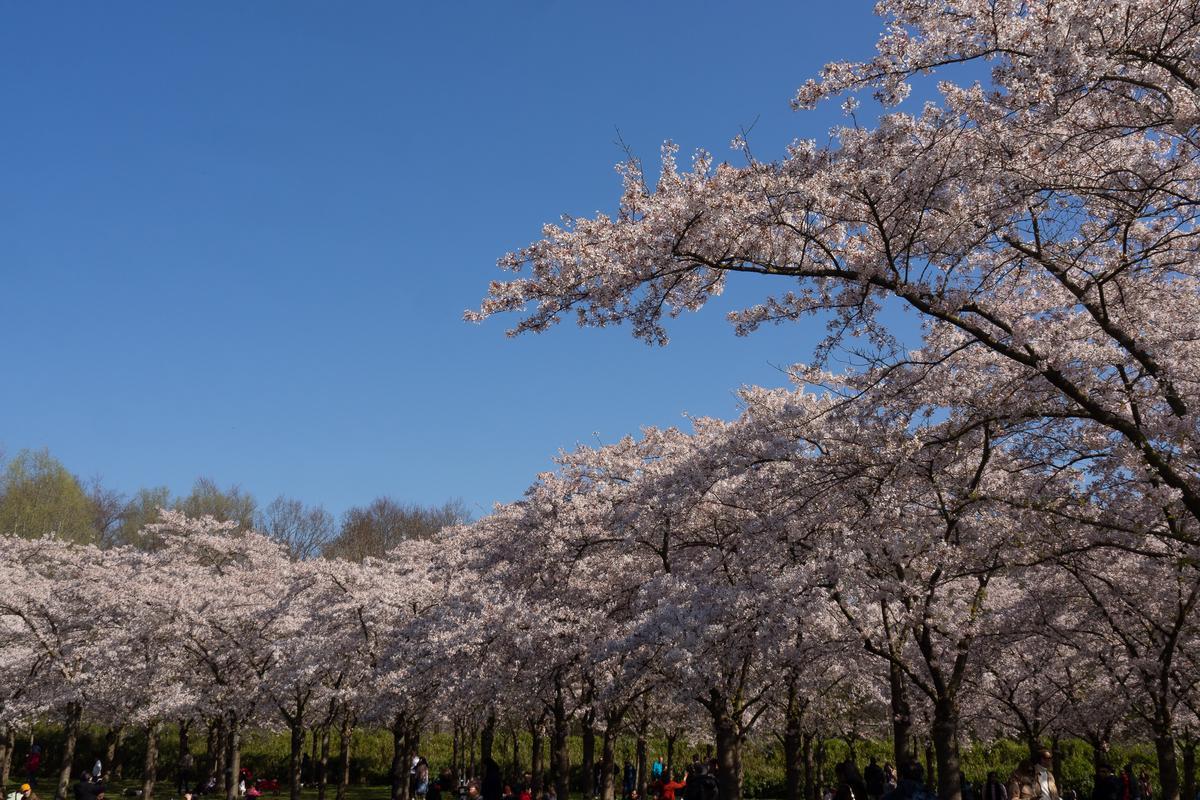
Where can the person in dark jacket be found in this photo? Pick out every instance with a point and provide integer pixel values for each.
(1107, 786)
(493, 785)
(911, 785)
(850, 784)
(87, 789)
(873, 777)
(1129, 784)
(994, 788)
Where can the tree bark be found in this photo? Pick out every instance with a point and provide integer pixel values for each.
(669, 767)
(930, 764)
(728, 742)
(588, 756)
(608, 746)
(516, 755)
(793, 747)
(810, 782)
(74, 713)
(221, 756)
(455, 748)
(323, 764)
(345, 735)
(233, 760)
(1168, 767)
(1189, 768)
(150, 765)
(8, 743)
(944, 733)
(561, 756)
(640, 750)
(536, 741)
(488, 737)
(819, 762)
(472, 769)
(901, 713)
(399, 748)
(184, 761)
(296, 754)
(112, 740)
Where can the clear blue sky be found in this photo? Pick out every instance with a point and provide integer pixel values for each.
(237, 239)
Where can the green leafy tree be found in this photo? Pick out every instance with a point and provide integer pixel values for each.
(39, 496)
(141, 510)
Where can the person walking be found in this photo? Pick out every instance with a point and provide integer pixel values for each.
(33, 763)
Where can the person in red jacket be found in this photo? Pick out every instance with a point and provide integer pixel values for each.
(32, 764)
(671, 786)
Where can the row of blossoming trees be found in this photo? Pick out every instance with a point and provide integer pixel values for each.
(995, 532)
(802, 570)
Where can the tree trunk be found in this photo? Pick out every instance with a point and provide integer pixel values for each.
(112, 740)
(488, 737)
(233, 760)
(399, 748)
(222, 754)
(150, 765)
(930, 766)
(1189, 768)
(793, 750)
(70, 736)
(296, 754)
(901, 716)
(944, 733)
(184, 761)
(345, 735)
(1099, 752)
(1168, 767)
(455, 748)
(210, 751)
(587, 761)
(516, 755)
(728, 743)
(8, 743)
(323, 764)
(819, 762)
(669, 767)
(474, 763)
(608, 761)
(561, 755)
(810, 782)
(536, 741)
(640, 750)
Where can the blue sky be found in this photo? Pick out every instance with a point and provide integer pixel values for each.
(237, 239)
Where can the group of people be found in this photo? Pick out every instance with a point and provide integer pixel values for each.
(1032, 780)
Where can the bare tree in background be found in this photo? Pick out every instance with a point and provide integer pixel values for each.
(109, 508)
(373, 530)
(230, 505)
(304, 530)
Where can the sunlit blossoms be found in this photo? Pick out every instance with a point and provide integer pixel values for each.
(993, 531)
